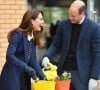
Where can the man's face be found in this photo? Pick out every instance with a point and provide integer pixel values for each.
(74, 15)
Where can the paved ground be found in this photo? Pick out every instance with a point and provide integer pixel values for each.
(41, 53)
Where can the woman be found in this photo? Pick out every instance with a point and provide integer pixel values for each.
(21, 62)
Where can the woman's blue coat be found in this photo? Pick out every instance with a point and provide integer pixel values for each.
(88, 48)
(16, 64)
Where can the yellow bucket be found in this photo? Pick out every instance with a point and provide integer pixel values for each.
(43, 85)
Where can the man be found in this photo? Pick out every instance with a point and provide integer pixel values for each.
(78, 39)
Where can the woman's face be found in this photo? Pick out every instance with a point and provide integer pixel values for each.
(38, 22)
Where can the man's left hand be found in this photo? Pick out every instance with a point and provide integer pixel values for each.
(92, 84)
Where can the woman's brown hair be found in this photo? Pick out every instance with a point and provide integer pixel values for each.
(27, 28)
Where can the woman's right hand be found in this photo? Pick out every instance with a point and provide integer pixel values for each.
(31, 72)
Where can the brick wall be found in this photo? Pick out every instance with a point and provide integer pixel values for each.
(11, 12)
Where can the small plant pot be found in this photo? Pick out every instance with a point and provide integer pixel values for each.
(62, 85)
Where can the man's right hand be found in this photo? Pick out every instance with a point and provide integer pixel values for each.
(45, 62)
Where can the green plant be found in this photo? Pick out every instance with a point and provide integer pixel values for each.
(63, 77)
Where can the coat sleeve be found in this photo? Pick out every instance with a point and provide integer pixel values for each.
(56, 44)
(16, 37)
(96, 53)
(34, 63)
